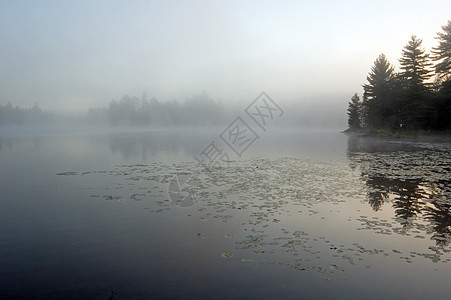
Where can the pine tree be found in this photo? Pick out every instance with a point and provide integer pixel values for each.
(377, 98)
(354, 111)
(442, 58)
(442, 53)
(415, 65)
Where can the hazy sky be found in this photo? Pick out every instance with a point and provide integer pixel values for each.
(71, 55)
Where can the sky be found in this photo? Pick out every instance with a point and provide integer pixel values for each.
(73, 55)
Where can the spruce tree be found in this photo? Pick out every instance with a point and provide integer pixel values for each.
(377, 98)
(354, 110)
(415, 71)
(442, 53)
(415, 64)
(442, 58)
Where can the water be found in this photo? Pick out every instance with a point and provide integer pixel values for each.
(301, 214)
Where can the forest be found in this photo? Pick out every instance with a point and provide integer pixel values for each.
(417, 97)
(23, 116)
(198, 110)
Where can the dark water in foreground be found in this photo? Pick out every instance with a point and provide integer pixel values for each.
(299, 215)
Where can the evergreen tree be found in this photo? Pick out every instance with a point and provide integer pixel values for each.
(408, 99)
(377, 94)
(354, 111)
(415, 64)
(442, 53)
(416, 111)
(442, 58)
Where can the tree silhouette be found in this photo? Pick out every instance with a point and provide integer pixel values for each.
(438, 212)
(439, 215)
(442, 58)
(378, 191)
(442, 53)
(377, 92)
(414, 199)
(409, 99)
(407, 204)
(199, 110)
(20, 116)
(415, 65)
(354, 111)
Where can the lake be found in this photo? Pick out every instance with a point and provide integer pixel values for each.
(294, 214)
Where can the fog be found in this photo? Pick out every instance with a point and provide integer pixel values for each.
(309, 57)
(171, 149)
(198, 111)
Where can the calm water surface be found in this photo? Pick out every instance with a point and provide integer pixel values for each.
(301, 214)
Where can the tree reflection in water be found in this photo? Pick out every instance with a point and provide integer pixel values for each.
(438, 214)
(407, 202)
(379, 192)
(413, 177)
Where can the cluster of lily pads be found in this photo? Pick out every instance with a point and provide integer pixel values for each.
(415, 184)
(274, 201)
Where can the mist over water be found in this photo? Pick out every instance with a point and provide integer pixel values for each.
(197, 197)
(310, 212)
(195, 150)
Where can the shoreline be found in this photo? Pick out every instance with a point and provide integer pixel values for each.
(401, 135)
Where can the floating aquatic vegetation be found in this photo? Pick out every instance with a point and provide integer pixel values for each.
(67, 173)
(271, 203)
(137, 197)
(227, 255)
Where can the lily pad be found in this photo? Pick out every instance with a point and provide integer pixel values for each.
(227, 255)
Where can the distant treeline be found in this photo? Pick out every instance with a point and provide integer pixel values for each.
(418, 97)
(199, 110)
(10, 115)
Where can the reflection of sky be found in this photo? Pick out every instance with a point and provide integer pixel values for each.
(190, 144)
(127, 241)
(413, 184)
